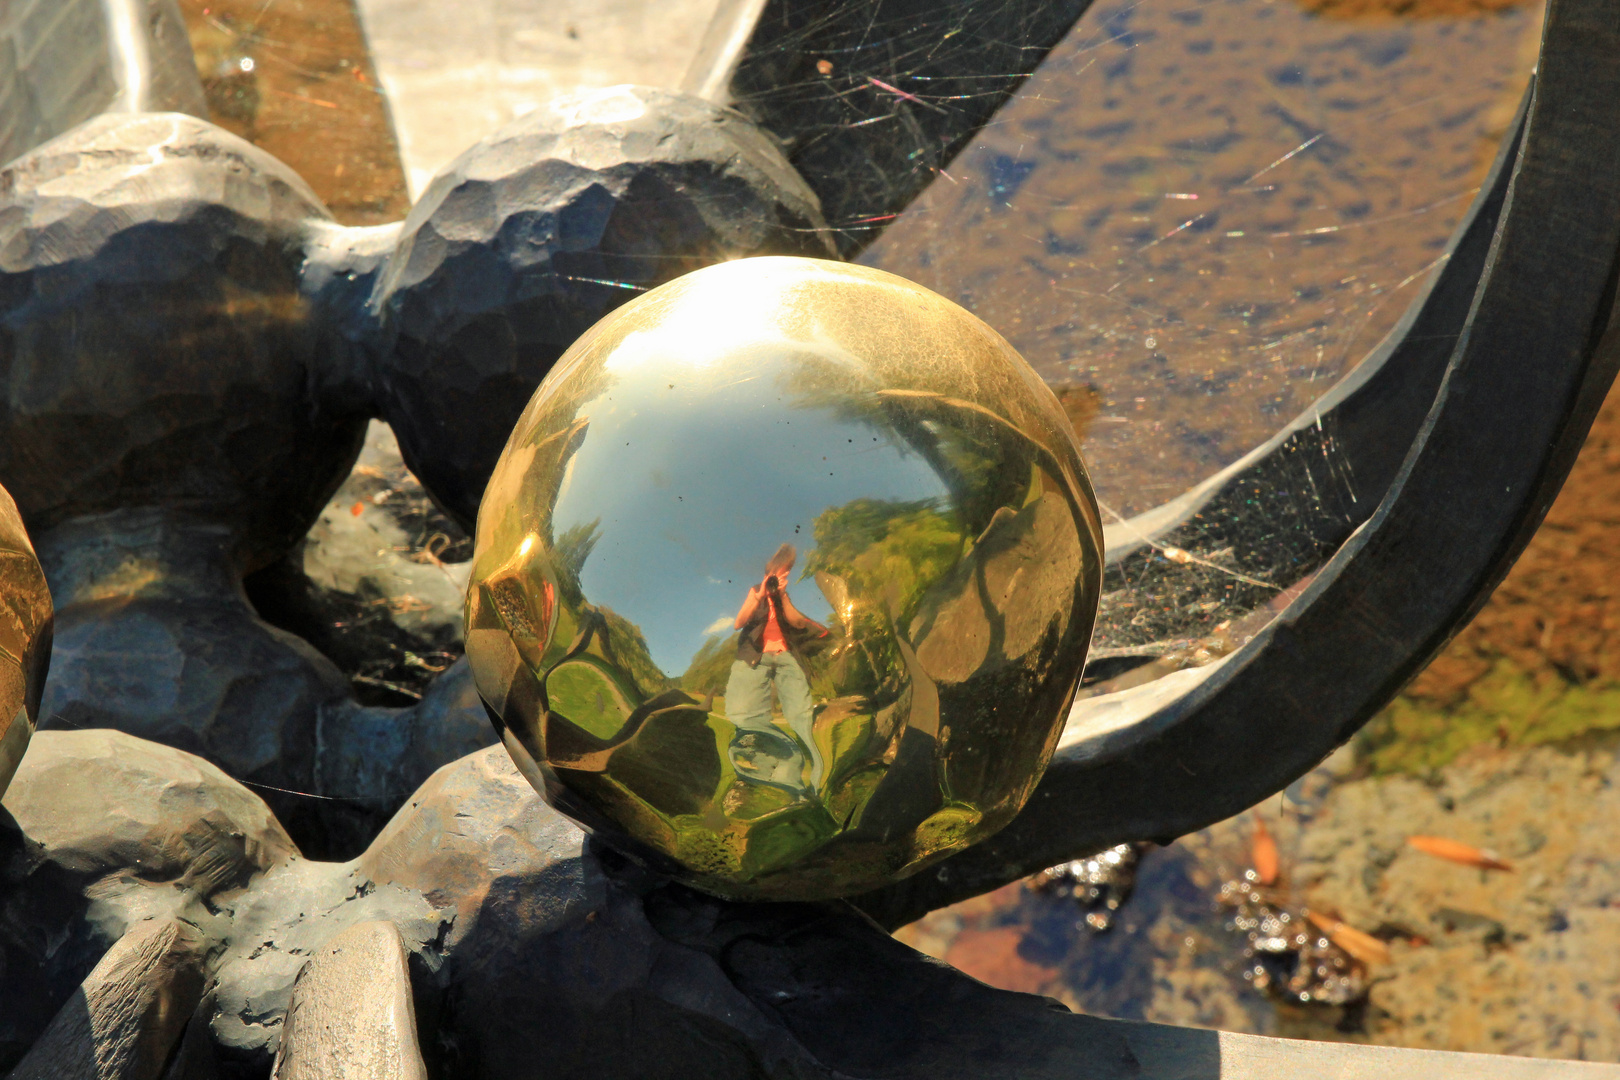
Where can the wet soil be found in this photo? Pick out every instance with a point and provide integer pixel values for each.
(295, 77)
(1520, 961)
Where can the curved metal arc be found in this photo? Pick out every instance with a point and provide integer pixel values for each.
(151, 58)
(867, 99)
(1536, 357)
(722, 48)
(1285, 507)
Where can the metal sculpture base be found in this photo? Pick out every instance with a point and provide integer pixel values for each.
(166, 943)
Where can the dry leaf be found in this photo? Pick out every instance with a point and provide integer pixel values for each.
(1358, 943)
(1458, 852)
(1263, 854)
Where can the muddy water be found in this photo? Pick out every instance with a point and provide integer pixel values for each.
(1206, 212)
(1521, 961)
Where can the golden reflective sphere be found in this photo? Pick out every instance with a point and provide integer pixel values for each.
(25, 638)
(785, 579)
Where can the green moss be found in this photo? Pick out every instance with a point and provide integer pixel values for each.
(1509, 706)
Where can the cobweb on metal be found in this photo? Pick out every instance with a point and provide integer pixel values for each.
(1192, 220)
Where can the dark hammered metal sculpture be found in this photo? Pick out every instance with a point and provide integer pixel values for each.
(25, 638)
(800, 477)
(158, 354)
(66, 61)
(1529, 331)
(163, 430)
(190, 350)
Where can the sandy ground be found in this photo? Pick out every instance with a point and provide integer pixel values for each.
(295, 77)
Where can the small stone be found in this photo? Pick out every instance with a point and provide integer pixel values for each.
(351, 1012)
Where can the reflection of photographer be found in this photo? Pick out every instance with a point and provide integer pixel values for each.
(774, 586)
(772, 632)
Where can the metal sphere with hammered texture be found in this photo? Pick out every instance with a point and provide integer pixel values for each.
(25, 638)
(785, 579)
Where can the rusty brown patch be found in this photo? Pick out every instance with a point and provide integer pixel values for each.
(294, 78)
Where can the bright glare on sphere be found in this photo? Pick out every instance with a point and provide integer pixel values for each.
(785, 579)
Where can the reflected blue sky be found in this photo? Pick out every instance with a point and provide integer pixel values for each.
(697, 483)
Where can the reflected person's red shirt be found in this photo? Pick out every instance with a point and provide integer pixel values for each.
(774, 641)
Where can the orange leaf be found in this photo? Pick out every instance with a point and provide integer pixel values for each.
(1458, 852)
(357, 509)
(1263, 853)
(1359, 944)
